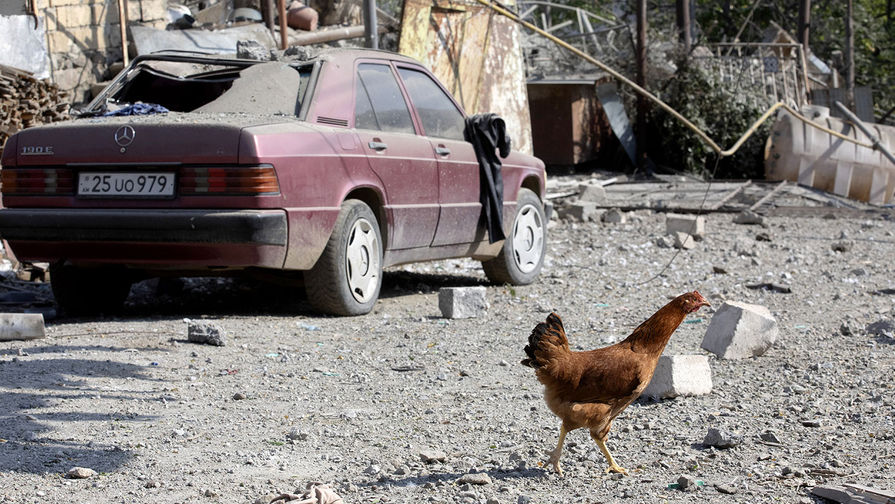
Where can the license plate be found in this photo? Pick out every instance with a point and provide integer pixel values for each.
(141, 184)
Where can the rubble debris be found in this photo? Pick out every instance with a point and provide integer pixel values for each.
(22, 326)
(251, 49)
(748, 217)
(581, 211)
(854, 494)
(740, 330)
(771, 286)
(432, 456)
(462, 302)
(205, 332)
(26, 101)
(475, 479)
(721, 438)
(680, 375)
(314, 494)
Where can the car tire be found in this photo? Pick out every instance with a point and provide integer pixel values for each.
(522, 256)
(348, 275)
(82, 291)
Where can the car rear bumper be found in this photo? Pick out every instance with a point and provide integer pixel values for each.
(260, 227)
(189, 239)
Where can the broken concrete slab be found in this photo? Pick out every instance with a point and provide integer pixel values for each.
(22, 326)
(748, 217)
(680, 375)
(462, 302)
(693, 225)
(740, 330)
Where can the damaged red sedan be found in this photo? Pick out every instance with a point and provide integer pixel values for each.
(327, 168)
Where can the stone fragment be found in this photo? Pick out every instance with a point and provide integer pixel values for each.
(80, 473)
(680, 375)
(693, 225)
(204, 332)
(462, 302)
(22, 326)
(475, 479)
(614, 216)
(591, 192)
(883, 327)
(432, 456)
(252, 49)
(748, 217)
(683, 241)
(726, 489)
(721, 438)
(740, 330)
(687, 483)
(770, 437)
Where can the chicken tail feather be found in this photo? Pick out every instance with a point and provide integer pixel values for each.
(547, 341)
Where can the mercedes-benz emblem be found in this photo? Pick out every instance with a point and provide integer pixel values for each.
(125, 136)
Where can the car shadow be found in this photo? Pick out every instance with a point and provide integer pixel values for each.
(402, 283)
(33, 426)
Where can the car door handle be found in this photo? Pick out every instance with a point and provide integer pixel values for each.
(441, 150)
(378, 146)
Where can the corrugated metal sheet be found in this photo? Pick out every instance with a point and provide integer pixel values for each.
(477, 54)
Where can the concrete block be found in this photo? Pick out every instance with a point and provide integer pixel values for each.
(740, 330)
(693, 225)
(462, 302)
(680, 375)
(591, 192)
(22, 326)
(72, 16)
(204, 332)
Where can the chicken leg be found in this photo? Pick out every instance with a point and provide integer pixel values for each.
(613, 467)
(554, 455)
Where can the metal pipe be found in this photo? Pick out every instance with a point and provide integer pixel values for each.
(874, 140)
(371, 32)
(284, 39)
(329, 35)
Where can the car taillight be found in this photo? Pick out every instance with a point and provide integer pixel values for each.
(229, 180)
(36, 181)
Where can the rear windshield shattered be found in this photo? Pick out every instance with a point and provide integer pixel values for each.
(269, 88)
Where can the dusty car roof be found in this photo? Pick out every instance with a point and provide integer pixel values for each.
(344, 54)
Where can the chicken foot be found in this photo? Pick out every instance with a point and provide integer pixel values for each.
(613, 467)
(554, 455)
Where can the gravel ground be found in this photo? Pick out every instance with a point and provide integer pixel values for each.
(355, 403)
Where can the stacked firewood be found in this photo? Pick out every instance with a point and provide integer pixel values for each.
(26, 101)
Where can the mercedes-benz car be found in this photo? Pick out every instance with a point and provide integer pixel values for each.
(326, 168)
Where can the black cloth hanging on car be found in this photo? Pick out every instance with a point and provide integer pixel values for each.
(488, 135)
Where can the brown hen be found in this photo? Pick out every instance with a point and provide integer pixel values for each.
(589, 389)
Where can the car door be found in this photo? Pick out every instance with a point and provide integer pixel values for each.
(402, 159)
(443, 123)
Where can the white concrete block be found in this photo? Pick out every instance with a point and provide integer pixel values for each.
(22, 326)
(462, 302)
(693, 225)
(740, 330)
(680, 375)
